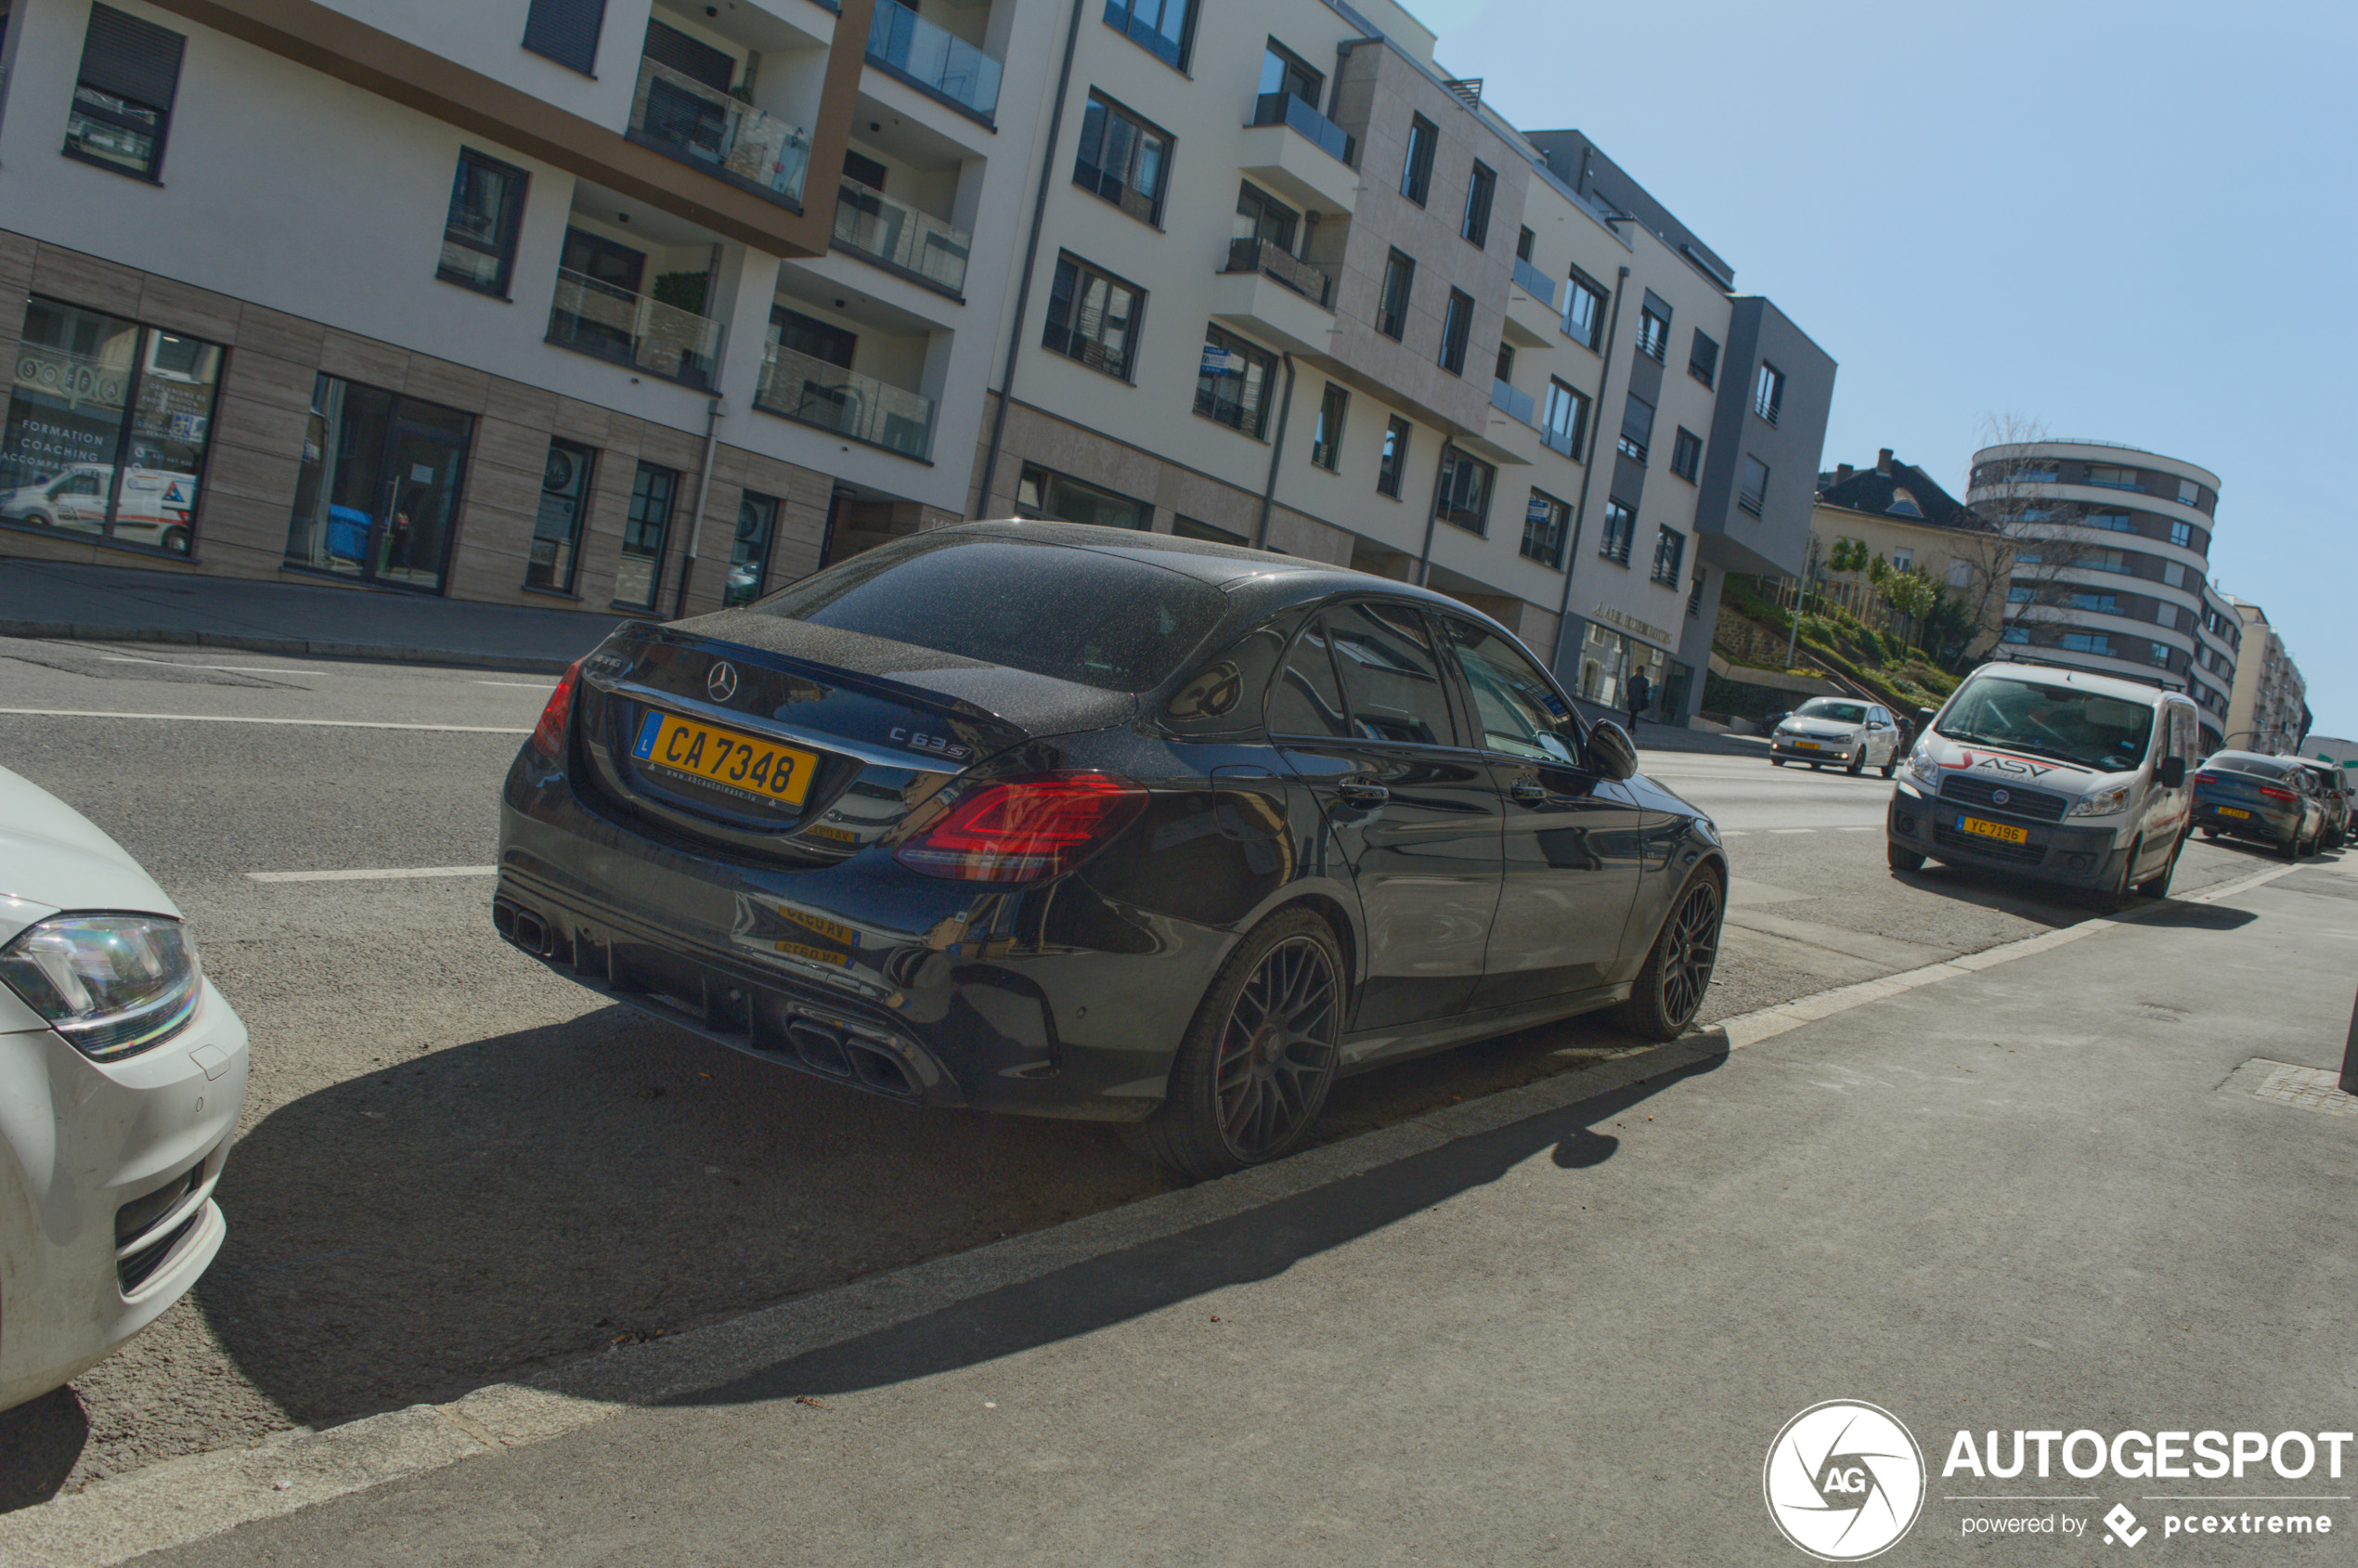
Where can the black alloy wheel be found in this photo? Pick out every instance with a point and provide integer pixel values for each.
(1253, 1071)
(1669, 990)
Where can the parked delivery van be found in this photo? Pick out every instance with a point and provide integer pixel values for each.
(2058, 774)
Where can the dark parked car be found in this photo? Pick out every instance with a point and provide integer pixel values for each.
(1050, 818)
(2333, 796)
(2269, 798)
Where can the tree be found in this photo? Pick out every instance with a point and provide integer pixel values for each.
(1911, 591)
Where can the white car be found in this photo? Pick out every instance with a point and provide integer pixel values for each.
(122, 1074)
(1855, 732)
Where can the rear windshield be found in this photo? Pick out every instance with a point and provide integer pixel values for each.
(2258, 767)
(2088, 729)
(1101, 620)
(1828, 709)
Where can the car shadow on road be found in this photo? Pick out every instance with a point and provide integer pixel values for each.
(1259, 1244)
(40, 1442)
(1994, 892)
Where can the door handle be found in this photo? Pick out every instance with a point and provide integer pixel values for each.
(1363, 794)
(1527, 792)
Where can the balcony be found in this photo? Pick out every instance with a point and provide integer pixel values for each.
(598, 319)
(934, 58)
(1313, 283)
(858, 407)
(705, 129)
(1535, 283)
(1296, 115)
(1296, 154)
(1516, 405)
(874, 228)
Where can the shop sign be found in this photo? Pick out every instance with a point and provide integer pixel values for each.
(1636, 627)
(70, 376)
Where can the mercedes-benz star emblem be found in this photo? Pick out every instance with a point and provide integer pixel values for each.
(1997, 797)
(720, 681)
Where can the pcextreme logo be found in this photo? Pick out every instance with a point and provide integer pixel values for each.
(1844, 1481)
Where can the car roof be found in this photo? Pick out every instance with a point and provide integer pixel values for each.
(2086, 679)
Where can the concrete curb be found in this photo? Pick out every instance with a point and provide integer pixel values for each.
(185, 1499)
(300, 647)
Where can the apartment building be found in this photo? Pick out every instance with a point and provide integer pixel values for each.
(2269, 710)
(2112, 552)
(592, 302)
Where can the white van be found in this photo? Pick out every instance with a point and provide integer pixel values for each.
(2058, 774)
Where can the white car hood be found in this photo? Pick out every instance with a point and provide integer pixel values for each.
(1821, 729)
(53, 858)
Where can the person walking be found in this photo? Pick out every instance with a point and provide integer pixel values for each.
(1642, 691)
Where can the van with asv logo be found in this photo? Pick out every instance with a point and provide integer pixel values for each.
(2058, 774)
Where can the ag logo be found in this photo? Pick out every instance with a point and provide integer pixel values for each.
(1844, 1481)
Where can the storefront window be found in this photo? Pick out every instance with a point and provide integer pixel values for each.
(556, 530)
(749, 554)
(378, 493)
(640, 572)
(107, 427)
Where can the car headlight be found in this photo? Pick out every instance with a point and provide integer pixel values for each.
(1923, 770)
(2104, 803)
(110, 984)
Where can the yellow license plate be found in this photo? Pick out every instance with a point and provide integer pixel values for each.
(2233, 811)
(1805, 745)
(726, 760)
(1993, 830)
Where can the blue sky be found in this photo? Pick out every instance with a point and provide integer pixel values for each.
(2130, 222)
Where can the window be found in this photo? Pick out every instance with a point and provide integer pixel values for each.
(1389, 468)
(556, 527)
(750, 549)
(1163, 27)
(1416, 175)
(1465, 491)
(1524, 240)
(1902, 559)
(1391, 681)
(1515, 708)
(1261, 216)
(2100, 561)
(1474, 229)
(1545, 523)
(377, 495)
(1621, 527)
(1506, 371)
(1694, 595)
(1702, 359)
(1092, 317)
(1653, 327)
(1392, 305)
(106, 428)
(2109, 478)
(1232, 383)
(1960, 574)
(1637, 428)
(123, 94)
(2112, 522)
(2096, 603)
(2158, 653)
(2014, 634)
(1326, 446)
(1567, 419)
(1041, 492)
(2189, 494)
(2086, 641)
(1189, 528)
(1685, 455)
(2183, 535)
(1670, 554)
(1584, 312)
(565, 31)
(1456, 324)
(1768, 392)
(479, 236)
(1284, 75)
(1307, 698)
(645, 531)
(1754, 493)
(1122, 158)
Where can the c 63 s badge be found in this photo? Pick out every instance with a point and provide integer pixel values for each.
(940, 745)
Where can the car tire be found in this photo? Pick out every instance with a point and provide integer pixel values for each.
(2157, 885)
(1669, 991)
(1902, 860)
(1891, 763)
(2108, 900)
(1776, 762)
(2290, 847)
(1236, 1097)
(1858, 761)
(2210, 832)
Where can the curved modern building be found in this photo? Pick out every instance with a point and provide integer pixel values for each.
(2112, 567)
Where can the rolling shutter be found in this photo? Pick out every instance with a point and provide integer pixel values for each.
(566, 31)
(131, 58)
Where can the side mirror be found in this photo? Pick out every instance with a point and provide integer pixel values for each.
(2172, 773)
(1612, 754)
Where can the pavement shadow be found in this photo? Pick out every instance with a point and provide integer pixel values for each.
(2171, 914)
(1260, 1244)
(1993, 890)
(40, 1442)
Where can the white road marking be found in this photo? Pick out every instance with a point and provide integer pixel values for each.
(387, 875)
(234, 669)
(534, 685)
(1874, 829)
(242, 719)
(1793, 830)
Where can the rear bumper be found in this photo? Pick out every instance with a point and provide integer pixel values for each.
(2276, 827)
(2070, 857)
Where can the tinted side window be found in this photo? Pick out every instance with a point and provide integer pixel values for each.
(1223, 698)
(1306, 699)
(1390, 678)
(1516, 709)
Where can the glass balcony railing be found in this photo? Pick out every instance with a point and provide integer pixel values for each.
(933, 57)
(1285, 109)
(874, 226)
(632, 329)
(1535, 283)
(1313, 283)
(1515, 405)
(681, 116)
(860, 407)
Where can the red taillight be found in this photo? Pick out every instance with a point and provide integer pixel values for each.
(2271, 792)
(2205, 778)
(549, 735)
(1025, 829)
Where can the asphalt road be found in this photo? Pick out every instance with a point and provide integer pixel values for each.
(455, 1165)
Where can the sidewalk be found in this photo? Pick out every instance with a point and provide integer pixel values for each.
(2072, 1187)
(117, 604)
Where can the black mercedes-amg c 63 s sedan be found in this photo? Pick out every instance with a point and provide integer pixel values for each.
(1050, 818)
